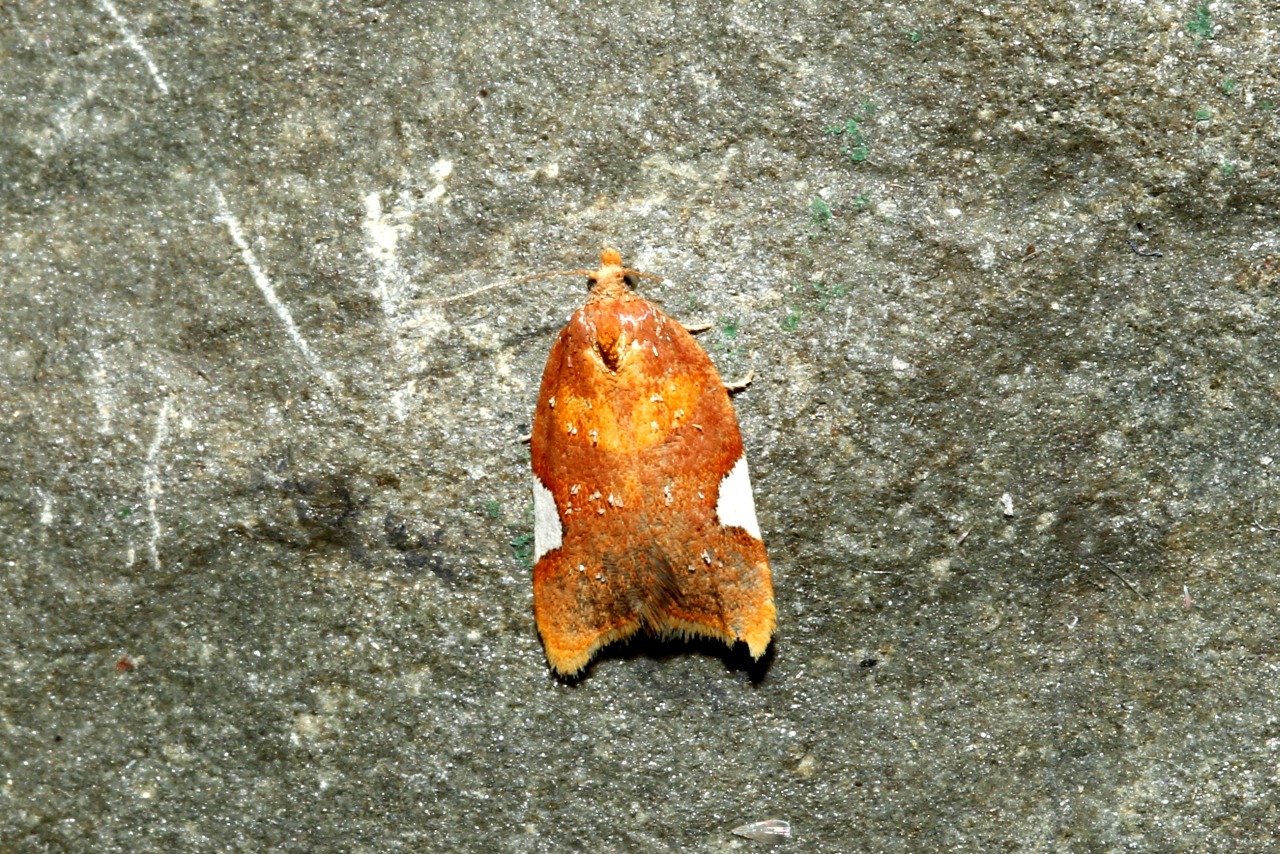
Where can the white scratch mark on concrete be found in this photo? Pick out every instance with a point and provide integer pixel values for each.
(132, 40)
(384, 230)
(264, 285)
(381, 238)
(151, 481)
(101, 393)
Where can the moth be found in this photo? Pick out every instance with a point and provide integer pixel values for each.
(644, 516)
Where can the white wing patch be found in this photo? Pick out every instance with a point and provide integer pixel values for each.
(735, 505)
(547, 532)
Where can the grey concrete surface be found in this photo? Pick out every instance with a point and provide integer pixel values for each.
(263, 508)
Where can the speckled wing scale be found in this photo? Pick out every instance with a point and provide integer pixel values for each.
(643, 511)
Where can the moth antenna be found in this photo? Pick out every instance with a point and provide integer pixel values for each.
(503, 284)
(608, 258)
(643, 275)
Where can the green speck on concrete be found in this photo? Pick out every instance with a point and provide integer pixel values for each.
(1201, 26)
(522, 547)
(851, 133)
(820, 211)
(826, 293)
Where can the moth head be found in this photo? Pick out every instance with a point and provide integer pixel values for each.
(613, 279)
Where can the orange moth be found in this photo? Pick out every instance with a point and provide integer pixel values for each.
(643, 511)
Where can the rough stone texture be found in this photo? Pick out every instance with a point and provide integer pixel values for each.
(263, 507)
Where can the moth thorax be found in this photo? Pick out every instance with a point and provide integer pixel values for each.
(610, 341)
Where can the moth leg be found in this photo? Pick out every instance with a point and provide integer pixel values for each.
(740, 384)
